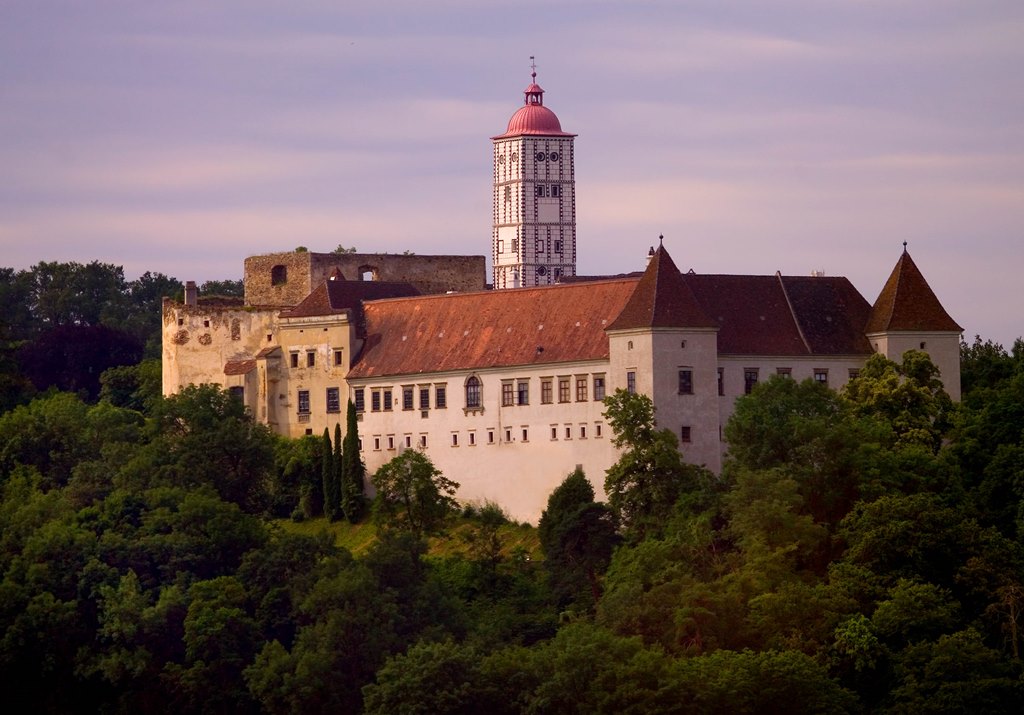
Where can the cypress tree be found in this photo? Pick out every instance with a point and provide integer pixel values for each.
(353, 471)
(327, 476)
(337, 474)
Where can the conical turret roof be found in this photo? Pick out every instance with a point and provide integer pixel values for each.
(662, 299)
(907, 302)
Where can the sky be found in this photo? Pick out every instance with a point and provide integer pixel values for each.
(790, 135)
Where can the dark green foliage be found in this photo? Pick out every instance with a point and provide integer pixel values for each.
(72, 357)
(204, 436)
(650, 476)
(353, 471)
(134, 387)
(332, 497)
(226, 288)
(578, 536)
(412, 495)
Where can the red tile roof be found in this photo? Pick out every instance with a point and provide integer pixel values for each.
(662, 299)
(336, 296)
(239, 367)
(908, 303)
(525, 326)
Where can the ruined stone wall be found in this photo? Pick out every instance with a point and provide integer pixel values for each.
(284, 279)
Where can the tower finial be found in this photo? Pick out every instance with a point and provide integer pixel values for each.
(661, 239)
(904, 246)
(533, 69)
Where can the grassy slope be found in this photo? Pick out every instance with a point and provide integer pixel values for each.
(357, 538)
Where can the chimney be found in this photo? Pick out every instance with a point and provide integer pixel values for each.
(191, 294)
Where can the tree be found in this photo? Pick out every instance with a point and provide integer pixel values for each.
(578, 537)
(72, 357)
(205, 435)
(353, 471)
(650, 476)
(225, 288)
(412, 495)
(332, 502)
(342, 249)
(908, 396)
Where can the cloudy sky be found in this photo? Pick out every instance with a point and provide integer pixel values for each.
(757, 136)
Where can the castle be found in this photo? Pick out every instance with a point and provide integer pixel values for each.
(503, 388)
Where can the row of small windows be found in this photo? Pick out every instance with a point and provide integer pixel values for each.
(332, 399)
(510, 434)
(543, 191)
(514, 392)
(337, 358)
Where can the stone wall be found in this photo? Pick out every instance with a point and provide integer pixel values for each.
(284, 279)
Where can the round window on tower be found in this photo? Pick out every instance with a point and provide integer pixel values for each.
(554, 156)
(501, 158)
(542, 270)
(540, 156)
(515, 156)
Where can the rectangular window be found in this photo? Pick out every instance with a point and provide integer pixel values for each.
(554, 431)
(472, 438)
(376, 444)
(508, 435)
(721, 381)
(784, 371)
(360, 399)
(686, 382)
(237, 392)
(423, 441)
(507, 394)
(545, 392)
(563, 389)
(501, 246)
(337, 357)
(581, 389)
(408, 441)
(391, 441)
(539, 191)
(523, 392)
(455, 439)
(407, 397)
(375, 400)
(556, 191)
(598, 387)
(631, 381)
(597, 429)
(310, 359)
(749, 379)
(684, 433)
(333, 399)
(295, 359)
(387, 400)
(490, 436)
(515, 245)
(558, 246)
(424, 398)
(821, 375)
(440, 397)
(568, 431)
(854, 373)
(583, 431)
(526, 434)
(303, 402)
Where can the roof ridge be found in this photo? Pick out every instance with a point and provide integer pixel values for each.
(792, 312)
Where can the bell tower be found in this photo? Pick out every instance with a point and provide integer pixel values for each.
(534, 237)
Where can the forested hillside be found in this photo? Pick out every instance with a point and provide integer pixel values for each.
(862, 551)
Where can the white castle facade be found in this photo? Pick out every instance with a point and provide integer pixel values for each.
(502, 389)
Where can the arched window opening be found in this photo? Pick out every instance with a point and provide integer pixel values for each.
(473, 392)
(369, 273)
